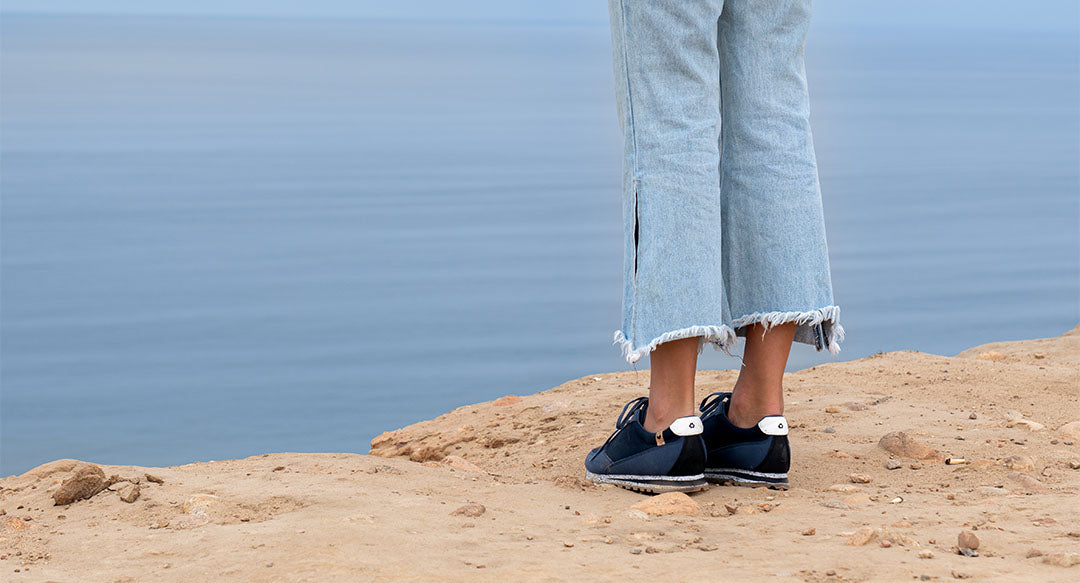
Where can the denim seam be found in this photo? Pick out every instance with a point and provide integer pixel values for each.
(636, 183)
(629, 101)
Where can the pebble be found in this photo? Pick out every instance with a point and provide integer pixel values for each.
(860, 478)
(862, 536)
(129, 493)
(809, 532)
(960, 574)
(893, 464)
(1027, 481)
(832, 409)
(926, 554)
(1074, 464)
(635, 551)
(153, 478)
(1062, 559)
(835, 504)
(973, 416)
(472, 510)
(568, 544)
(461, 464)
(87, 480)
(830, 430)
(1070, 431)
(668, 503)
(1020, 463)
(991, 356)
(967, 540)
(901, 444)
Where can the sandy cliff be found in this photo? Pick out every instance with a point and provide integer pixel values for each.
(494, 491)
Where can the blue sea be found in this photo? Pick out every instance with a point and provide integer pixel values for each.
(225, 236)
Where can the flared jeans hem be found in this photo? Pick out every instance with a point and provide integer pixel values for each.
(819, 328)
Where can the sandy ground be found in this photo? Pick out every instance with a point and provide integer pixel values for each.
(494, 491)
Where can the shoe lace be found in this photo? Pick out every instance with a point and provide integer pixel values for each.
(629, 412)
(713, 402)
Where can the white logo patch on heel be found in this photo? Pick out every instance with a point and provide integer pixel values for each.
(686, 425)
(773, 425)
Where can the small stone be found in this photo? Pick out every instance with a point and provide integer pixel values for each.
(973, 416)
(668, 503)
(901, 444)
(568, 544)
(830, 430)
(1074, 464)
(1062, 559)
(708, 548)
(635, 551)
(830, 573)
(154, 479)
(991, 356)
(472, 510)
(832, 409)
(860, 478)
(960, 574)
(129, 493)
(1070, 431)
(893, 464)
(926, 554)
(915, 466)
(461, 464)
(835, 504)
(87, 480)
(862, 536)
(1020, 463)
(967, 540)
(843, 488)
(1027, 481)
(809, 532)
(1032, 553)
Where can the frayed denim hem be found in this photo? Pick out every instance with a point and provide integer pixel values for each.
(817, 327)
(721, 337)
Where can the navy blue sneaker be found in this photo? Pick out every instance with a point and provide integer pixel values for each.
(671, 460)
(754, 456)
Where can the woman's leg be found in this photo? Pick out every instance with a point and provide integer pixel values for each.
(671, 383)
(775, 258)
(668, 102)
(759, 390)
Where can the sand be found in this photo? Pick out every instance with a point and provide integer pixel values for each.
(494, 491)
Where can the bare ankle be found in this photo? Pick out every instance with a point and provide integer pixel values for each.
(659, 418)
(746, 412)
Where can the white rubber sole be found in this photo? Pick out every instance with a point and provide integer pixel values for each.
(652, 484)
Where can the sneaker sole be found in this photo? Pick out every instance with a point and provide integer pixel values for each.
(747, 478)
(652, 484)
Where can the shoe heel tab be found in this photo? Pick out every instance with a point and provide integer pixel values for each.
(683, 426)
(773, 425)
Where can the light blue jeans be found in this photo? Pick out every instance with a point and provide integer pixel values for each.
(722, 208)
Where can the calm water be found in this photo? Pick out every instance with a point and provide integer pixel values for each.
(228, 237)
